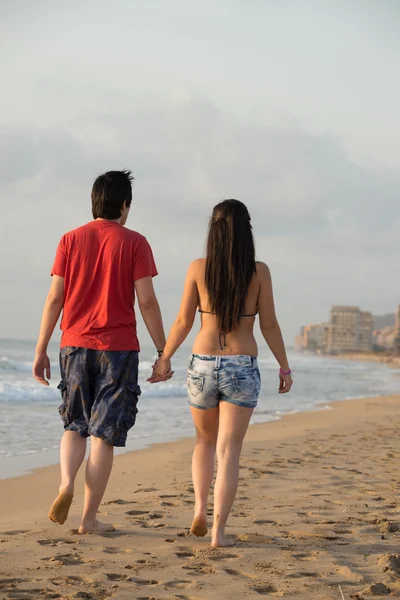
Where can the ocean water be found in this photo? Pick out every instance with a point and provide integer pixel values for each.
(30, 427)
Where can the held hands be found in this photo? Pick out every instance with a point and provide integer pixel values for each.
(285, 382)
(161, 371)
(40, 365)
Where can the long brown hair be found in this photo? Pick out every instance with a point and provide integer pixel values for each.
(230, 262)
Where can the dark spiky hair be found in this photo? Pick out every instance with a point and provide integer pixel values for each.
(109, 193)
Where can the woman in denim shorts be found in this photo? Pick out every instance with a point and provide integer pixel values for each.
(229, 288)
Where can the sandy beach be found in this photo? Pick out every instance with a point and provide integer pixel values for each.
(373, 357)
(317, 508)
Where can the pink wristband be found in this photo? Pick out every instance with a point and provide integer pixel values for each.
(282, 372)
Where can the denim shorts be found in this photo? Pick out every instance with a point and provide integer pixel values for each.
(235, 379)
(99, 392)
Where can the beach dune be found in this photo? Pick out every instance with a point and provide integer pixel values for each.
(317, 516)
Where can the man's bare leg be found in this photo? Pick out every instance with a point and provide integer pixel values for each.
(72, 453)
(98, 471)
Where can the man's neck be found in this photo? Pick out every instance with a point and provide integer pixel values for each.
(110, 220)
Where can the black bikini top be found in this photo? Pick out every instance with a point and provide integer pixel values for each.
(222, 336)
(207, 312)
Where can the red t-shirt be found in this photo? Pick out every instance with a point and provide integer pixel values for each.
(100, 263)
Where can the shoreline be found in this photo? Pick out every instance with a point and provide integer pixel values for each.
(15, 462)
(168, 445)
(374, 357)
(317, 507)
(369, 357)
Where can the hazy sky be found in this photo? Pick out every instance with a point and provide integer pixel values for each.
(291, 106)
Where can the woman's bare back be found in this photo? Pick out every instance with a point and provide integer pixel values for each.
(241, 340)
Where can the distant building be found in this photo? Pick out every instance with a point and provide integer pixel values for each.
(384, 338)
(350, 330)
(315, 337)
(299, 342)
(396, 341)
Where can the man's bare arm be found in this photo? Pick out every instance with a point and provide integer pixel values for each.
(150, 310)
(51, 313)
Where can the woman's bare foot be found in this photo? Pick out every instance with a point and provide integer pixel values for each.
(96, 527)
(199, 526)
(220, 541)
(59, 510)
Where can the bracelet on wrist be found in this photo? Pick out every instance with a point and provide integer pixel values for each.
(282, 372)
(159, 353)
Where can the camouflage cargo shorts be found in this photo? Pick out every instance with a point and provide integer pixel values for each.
(99, 392)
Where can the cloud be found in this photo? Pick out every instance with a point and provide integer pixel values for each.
(327, 226)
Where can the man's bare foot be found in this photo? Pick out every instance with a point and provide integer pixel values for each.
(96, 527)
(59, 510)
(220, 541)
(199, 526)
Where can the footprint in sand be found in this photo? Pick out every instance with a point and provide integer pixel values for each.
(116, 576)
(154, 515)
(136, 513)
(143, 582)
(263, 589)
(265, 522)
(254, 538)
(151, 524)
(389, 527)
(344, 575)
(145, 490)
(241, 574)
(88, 595)
(390, 563)
(300, 574)
(239, 514)
(119, 501)
(56, 542)
(185, 554)
(376, 589)
(8, 581)
(307, 556)
(179, 584)
(28, 594)
(64, 559)
(112, 550)
(175, 597)
(199, 568)
(222, 555)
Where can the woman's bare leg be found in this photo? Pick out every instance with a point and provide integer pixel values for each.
(233, 423)
(206, 423)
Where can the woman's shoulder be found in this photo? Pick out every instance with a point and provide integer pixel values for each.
(197, 268)
(197, 264)
(262, 270)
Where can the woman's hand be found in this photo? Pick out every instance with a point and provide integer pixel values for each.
(285, 382)
(161, 371)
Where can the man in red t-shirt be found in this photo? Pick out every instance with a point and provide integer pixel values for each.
(97, 271)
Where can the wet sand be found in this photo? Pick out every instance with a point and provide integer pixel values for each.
(317, 508)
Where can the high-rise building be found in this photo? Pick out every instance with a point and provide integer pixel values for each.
(350, 330)
(315, 337)
(365, 327)
(396, 342)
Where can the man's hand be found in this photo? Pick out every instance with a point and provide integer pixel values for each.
(40, 365)
(161, 371)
